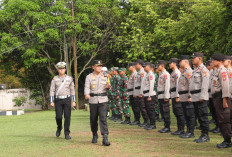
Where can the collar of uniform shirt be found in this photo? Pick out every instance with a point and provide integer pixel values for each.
(163, 71)
(199, 66)
(140, 69)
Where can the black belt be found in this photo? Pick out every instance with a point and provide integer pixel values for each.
(138, 87)
(195, 91)
(173, 89)
(129, 90)
(218, 94)
(101, 94)
(146, 91)
(162, 92)
(183, 92)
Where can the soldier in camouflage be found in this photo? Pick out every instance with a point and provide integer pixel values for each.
(123, 94)
(111, 96)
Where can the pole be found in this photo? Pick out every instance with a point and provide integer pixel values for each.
(75, 58)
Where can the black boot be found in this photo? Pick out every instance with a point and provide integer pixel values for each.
(95, 137)
(225, 144)
(150, 127)
(127, 121)
(67, 137)
(136, 122)
(202, 138)
(144, 124)
(105, 141)
(188, 134)
(119, 119)
(58, 131)
(116, 118)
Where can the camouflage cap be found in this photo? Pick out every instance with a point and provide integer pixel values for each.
(61, 65)
(122, 69)
(116, 68)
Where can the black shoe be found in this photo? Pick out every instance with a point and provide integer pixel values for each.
(202, 138)
(165, 130)
(135, 123)
(143, 125)
(58, 133)
(105, 141)
(67, 137)
(127, 121)
(178, 132)
(217, 130)
(95, 137)
(150, 127)
(118, 118)
(188, 135)
(224, 144)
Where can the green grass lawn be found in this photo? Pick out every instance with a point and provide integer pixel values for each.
(33, 134)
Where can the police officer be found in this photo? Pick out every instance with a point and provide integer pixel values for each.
(199, 86)
(185, 96)
(138, 91)
(96, 86)
(124, 97)
(176, 105)
(61, 92)
(221, 99)
(130, 89)
(164, 95)
(149, 95)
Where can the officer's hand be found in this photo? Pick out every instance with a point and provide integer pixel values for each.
(166, 100)
(140, 95)
(225, 104)
(149, 99)
(202, 100)
(189, 100)
(117, 97)
(74, 104)
(87, 97)
(52, 104)
(177, 99)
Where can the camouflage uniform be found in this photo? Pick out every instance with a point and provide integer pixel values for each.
(113, 95)
(157, 107)
(117, 101)
(123, 94)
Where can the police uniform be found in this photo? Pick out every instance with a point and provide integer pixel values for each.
(164, 93)
(184, 92)
(220, 90)
(61, 92)
(199, 86)
(130, 89)
(138, 90)
(96, 87)
(177, 107)
(149, 92)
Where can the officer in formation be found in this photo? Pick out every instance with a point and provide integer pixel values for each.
(62, 93)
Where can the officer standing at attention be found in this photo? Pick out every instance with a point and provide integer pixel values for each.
(185, 97)
(130, 89)
(96, 86)
(117, 97)
(164, 95)
(176, 105)
(221, 98)
(199, 86)
(150, 95)
(138, 91)
(61, 92)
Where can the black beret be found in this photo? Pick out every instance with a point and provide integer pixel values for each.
(218, 57)
(97, 62)
(132, 64)
(184, 57)
(173, 60)
(197, 54)
(147, 63)
(228, 58)
(161, 62)
(140, 61)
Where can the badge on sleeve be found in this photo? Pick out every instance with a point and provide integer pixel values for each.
(165, 76)
(134, 77)
(142, 74)
(204, 73)
(176, 75)
(151, 77)
(189, 75)
(230, 74)
(224, 76)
